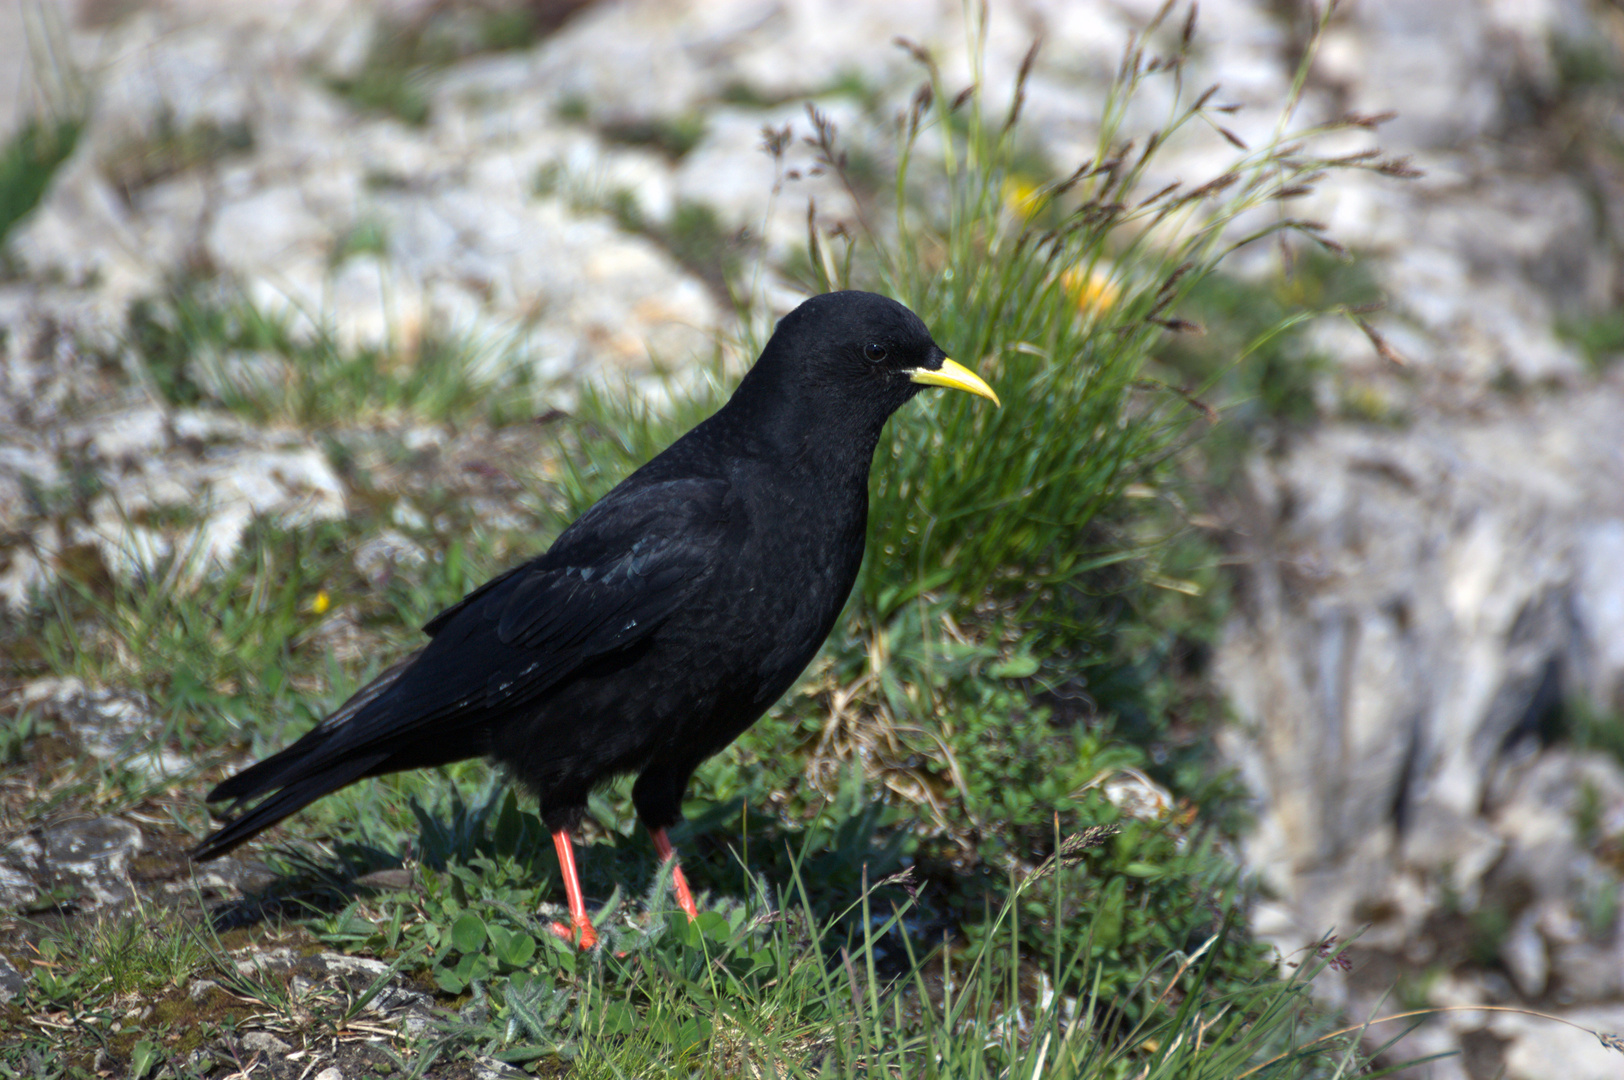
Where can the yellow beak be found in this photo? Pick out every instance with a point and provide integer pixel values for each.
(956, 376)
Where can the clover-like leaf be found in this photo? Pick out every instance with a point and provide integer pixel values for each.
(468, 933)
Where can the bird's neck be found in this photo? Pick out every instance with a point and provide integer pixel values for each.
(822, 446)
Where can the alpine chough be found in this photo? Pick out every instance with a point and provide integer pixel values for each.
(664, 621)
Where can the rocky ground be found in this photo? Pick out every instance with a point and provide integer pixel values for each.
(1430, 608)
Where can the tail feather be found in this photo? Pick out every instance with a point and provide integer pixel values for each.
(292, 797)
(299, 774)
(275, 771)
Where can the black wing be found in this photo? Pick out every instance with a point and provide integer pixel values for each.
(612, 578)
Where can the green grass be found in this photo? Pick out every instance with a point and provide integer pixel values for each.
(170, 147)
(1599, 337)
(203, 345)
(28, 161)
(366, 238)
(1581, 725)
(403, 56)
(114, 955)
(238, 649)
(673, 137)
(1253, 356)
(765, 985)
(759, 986)
(34, 152)
(390, 81)
(217, 654)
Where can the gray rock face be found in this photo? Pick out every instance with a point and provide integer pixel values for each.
(1457, 580)
(211, 144)
(1419, 606)
(87, 862)
(1423, 606)
(263, 1042)
(12, 981)
(378, 558)
(18, 890)
(109, 725)
(145, 459)
(469, 250)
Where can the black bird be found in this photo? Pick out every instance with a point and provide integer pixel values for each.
(664, 621)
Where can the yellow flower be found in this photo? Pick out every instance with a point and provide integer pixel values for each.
(1022, 197)
(320, 602)
(1092, 291)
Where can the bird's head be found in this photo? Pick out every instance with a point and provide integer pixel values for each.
(853, 358)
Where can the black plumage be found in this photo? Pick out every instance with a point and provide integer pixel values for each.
(665, 620)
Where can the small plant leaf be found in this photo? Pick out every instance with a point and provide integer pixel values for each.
(514, 948)
(468, 933)
(449, 980)
(1019, 666)
(143, 1057)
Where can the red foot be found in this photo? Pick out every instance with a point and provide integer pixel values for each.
(589, 936)
(685, 898)
(579, 923)
(580, 930)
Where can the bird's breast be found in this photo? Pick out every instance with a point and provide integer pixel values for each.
(794, 581)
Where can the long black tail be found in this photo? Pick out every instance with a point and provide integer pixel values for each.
(298, 775)
(290, 798)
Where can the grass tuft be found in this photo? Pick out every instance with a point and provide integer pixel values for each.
(1599, 337)
(673, 137)
(207, 346)
(32, 155)
(405, 54)
(28, 161)
(170, 148)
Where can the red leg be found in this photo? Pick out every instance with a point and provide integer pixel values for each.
(579, 923)
(685, 899)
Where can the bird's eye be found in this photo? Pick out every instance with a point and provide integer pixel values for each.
(874, 352)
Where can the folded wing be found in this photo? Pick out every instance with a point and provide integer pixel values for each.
(613, 578)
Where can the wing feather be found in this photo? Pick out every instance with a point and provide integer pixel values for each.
(613, 578)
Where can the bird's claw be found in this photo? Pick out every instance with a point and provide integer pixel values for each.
(588, 935)
(685, 898)
(679, 881)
